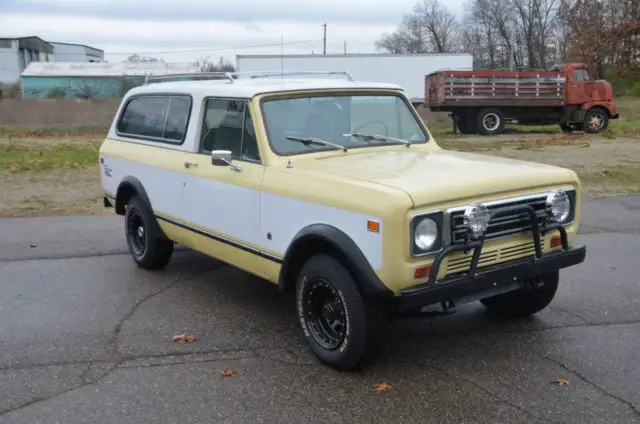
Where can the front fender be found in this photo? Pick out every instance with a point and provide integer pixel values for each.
(317, 238)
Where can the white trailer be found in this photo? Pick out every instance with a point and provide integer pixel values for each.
(406, 70)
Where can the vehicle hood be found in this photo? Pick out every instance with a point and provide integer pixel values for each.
(441, 175)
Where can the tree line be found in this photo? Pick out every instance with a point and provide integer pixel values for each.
(532, 34)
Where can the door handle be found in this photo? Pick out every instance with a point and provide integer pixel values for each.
(190, 165)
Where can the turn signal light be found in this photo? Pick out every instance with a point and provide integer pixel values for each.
(556, 241)
(373, 225)
(422, 272)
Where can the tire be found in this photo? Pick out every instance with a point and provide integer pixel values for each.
(146, 247)
(524, 302)
(490, 121)
(356, 339)
(467, 125)
(596, 120)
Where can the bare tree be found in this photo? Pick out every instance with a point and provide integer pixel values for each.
(430, 27)
(439, 24)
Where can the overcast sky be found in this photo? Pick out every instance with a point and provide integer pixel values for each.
(201, 28)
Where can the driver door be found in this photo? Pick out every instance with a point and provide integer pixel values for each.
(223, 202)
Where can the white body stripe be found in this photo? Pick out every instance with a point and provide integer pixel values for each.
(242, 213)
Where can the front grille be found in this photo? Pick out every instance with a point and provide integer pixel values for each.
(503, 226)
(460, 262)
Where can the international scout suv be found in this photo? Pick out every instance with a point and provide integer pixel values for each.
(335, 189)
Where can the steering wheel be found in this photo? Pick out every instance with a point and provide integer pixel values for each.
(386, 127)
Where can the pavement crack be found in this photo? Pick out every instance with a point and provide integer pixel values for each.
(601, 389)
(113, 343)
(495, 395)
(48, 396)
(573, 314)
(113, 349)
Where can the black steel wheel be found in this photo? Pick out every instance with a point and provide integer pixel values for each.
(342, 328)
(324, 313)
(135, 232)
(147, 246)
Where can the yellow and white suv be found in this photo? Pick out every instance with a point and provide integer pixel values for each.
(335, 188)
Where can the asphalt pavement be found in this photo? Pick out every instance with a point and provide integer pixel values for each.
(86, 337)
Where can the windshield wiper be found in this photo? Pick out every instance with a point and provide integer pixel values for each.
(368, 137)
(312, 140)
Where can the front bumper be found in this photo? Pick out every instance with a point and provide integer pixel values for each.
(496, 279)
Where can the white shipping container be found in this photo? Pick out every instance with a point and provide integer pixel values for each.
(406, 70)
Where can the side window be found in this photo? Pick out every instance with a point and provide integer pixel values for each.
(581, 75)
(158, 117)
(227, 125)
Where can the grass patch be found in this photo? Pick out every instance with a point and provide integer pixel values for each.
(24, 156)
(614, 179)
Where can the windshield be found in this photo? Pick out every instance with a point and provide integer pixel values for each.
(341, 120)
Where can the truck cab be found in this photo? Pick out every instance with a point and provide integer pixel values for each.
(589, 93)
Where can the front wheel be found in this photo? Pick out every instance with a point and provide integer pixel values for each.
(343, 330)
(524, 302)
(147, 248)
(595, 121)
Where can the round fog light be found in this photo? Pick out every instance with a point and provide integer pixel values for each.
(558, 206)
(476, 219)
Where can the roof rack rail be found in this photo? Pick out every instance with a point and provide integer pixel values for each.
(197, 75)
(232, 76)
(262, 74)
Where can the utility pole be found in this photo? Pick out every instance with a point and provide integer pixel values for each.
(324, 39)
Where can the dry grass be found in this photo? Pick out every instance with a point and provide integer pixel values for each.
(31, 112)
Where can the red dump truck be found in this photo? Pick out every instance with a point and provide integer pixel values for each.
(480, 101)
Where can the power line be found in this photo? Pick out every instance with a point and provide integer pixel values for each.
(217, 49)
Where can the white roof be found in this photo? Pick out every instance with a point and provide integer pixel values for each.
(247, 88)
(65, 69)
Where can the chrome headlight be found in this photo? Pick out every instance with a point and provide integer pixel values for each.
(426, 234)
(558, 206)
(476, 219)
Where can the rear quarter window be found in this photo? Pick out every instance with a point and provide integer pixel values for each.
(162, 118)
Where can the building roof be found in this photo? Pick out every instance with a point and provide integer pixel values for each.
(247, 88)
(74, 44)
(87, 69)
(32, 42)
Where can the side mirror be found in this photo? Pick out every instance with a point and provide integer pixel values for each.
(221, 158)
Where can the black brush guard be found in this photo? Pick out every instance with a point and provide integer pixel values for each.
(501, 278)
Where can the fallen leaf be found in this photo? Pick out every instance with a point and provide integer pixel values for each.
(381, 387)
(227, 372)
(183, 338)
(560, 382)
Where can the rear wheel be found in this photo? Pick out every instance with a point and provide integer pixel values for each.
(524, 302)
(147, 248)
(490, 121)
(343, 330)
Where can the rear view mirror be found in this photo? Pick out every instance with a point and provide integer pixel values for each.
(221, 157)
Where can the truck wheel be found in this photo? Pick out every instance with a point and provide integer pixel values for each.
(596, 120)
(490, 121)
(147, 248)
(522, 303)
(343, 330)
